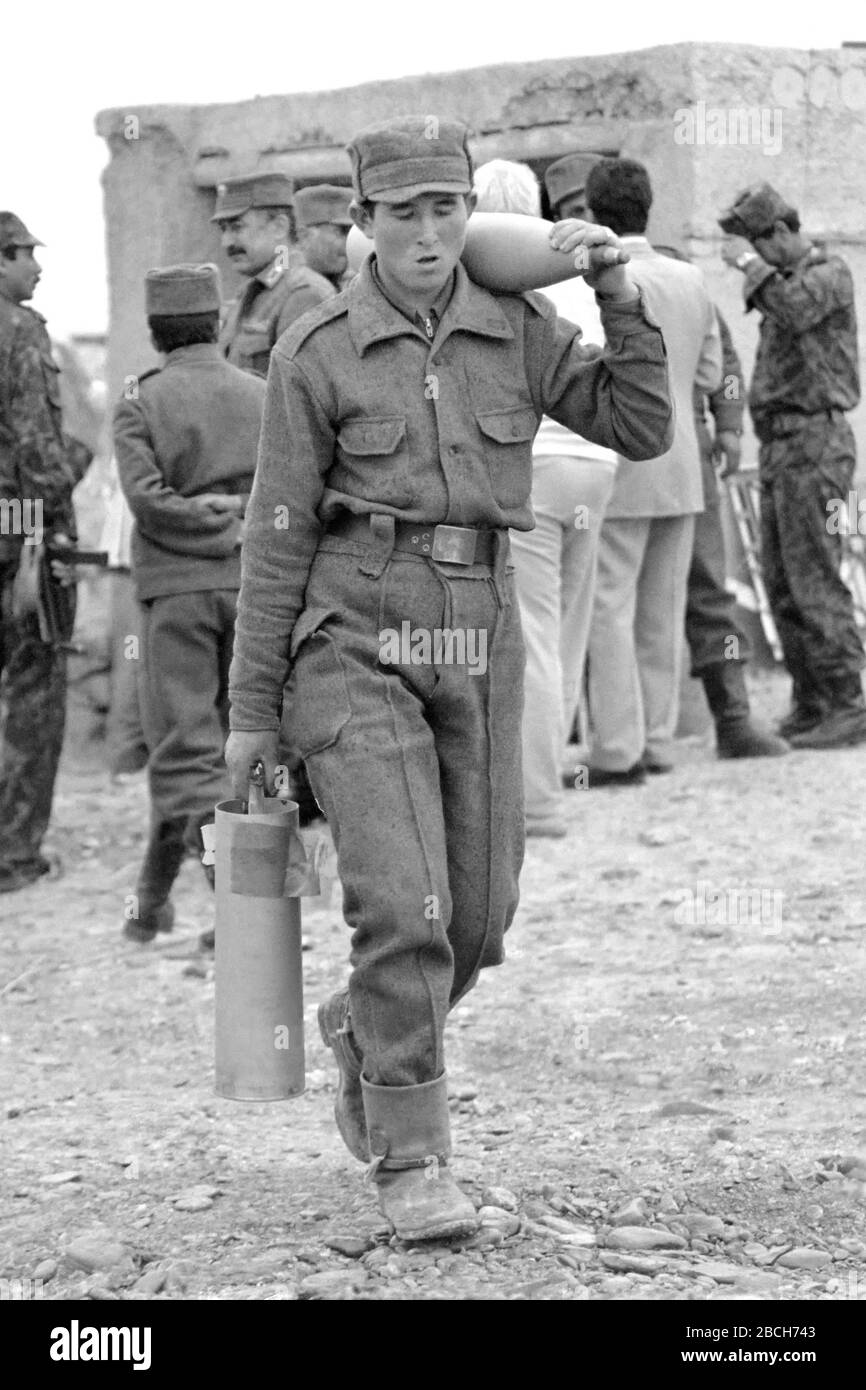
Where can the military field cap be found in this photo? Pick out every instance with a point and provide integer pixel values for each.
(323, 202)
(14, 233)
(396, 160)
(568, 175)
(237, 196)
(182, 289)
(754, 212)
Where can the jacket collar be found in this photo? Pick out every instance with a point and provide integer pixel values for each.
(196, 352)
(373, 318)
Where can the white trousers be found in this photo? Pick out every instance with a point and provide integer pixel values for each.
(555, 567)
(636, 638)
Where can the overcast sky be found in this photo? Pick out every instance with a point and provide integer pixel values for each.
(63, 63)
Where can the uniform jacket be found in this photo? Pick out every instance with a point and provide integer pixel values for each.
(807, 354)
(676, 297)
(193, 429)
(37, 460)
(365, 414)
(267, 306)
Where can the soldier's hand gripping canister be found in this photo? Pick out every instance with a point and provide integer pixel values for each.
(260, 869)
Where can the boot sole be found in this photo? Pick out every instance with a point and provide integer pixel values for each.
(345, 1133)
(452, 1230)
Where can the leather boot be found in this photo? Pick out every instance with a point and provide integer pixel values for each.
(808, 708)
(162, 860)
(410, 1140)
(844, 721)
(728, 699)
(335, 1027)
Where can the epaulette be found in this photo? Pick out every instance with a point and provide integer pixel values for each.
(151, 371)
(298, 332)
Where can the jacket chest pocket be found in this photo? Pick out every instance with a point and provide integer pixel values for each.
(507, 437)
(369, 438)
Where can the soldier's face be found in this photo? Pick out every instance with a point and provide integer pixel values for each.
(775, 246)
(419, 242)
(324, 248)
(21, 276)
(251, 241)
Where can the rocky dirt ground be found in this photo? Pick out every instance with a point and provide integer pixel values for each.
(660, 1096)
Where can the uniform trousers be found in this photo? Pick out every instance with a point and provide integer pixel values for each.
(636, 638)
(811, 466)
(416, 763)
(555, 571)
(186, 651)
(32, 721)
(711, 620)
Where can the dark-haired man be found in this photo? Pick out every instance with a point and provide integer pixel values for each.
(397, 440)
(39, 467)
(636, 638)
(805, 379)
(186, 444)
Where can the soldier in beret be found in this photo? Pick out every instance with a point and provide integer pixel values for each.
(323, 221)
(254, 216)
(39, 467)
(805, 379)
(185, 440)
(397, 443)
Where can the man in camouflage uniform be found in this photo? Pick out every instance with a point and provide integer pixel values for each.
(717, 644)
(255, 219)
(39, 467)
(805, 378)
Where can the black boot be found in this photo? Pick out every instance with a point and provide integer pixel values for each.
(808, 708)
(163, 857)
(728, 699)
(844, 721)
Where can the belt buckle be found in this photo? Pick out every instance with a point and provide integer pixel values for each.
(454, 545)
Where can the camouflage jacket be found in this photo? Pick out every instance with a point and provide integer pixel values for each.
(37, 460)
(270, 302)
(807, 355)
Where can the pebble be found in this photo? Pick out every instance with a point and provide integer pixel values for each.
(332, 1283)
(632, 1214)
(721, 1273)
(100, 1294)
(644, 1238)
(853, 1166)
(45, 1270)
(499, 1197)
(352, 1246)
(151, 1282)
(854, 1247)
(684, 1107)
(92, 1252)
(633, 1264)
(725, 1132)
(701, 1225)
(616, 1284)
(804, 1257)
(754, 1250)
(193, 1203)
(500, 1220)
(375, 1259)
(55, 1179)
